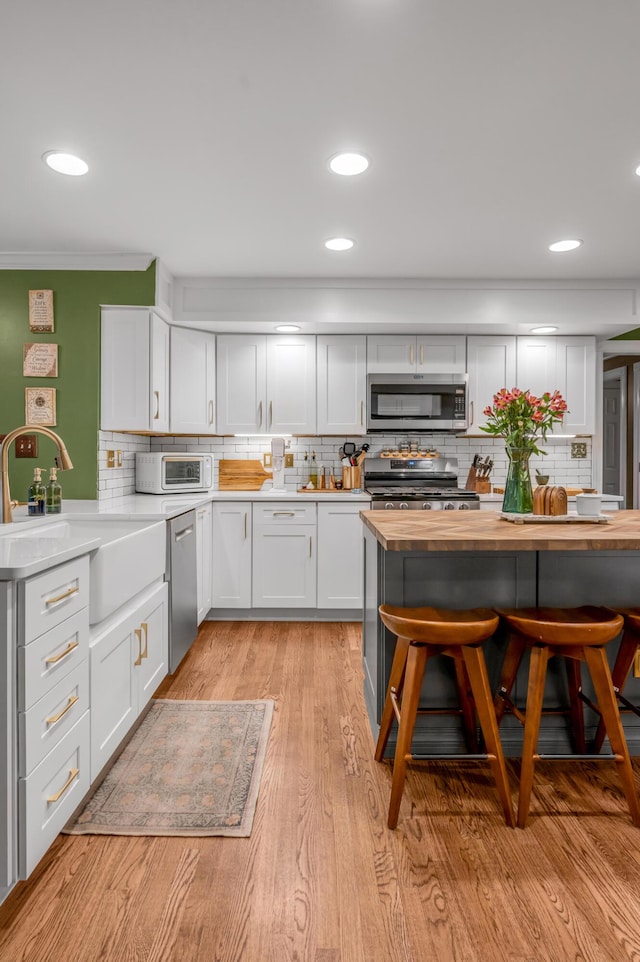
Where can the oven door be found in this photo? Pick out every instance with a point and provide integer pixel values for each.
(416, 402)
(185, 473)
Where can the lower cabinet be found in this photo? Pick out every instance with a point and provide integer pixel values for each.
(129, 659)
(340, 554)
(284, 555)
(231, 554)
(203, 555)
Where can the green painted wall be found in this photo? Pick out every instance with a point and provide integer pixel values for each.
(77, 296)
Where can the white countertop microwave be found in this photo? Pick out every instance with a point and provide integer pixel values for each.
(164, 472)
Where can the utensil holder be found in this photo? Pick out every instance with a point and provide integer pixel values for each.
(351, 478)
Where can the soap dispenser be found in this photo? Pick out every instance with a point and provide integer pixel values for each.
(37, 493)
(53, 503)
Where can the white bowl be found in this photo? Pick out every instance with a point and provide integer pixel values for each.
(589, 504)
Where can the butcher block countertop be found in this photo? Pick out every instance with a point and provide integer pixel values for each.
(486, 531)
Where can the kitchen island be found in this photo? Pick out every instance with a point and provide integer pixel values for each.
(477, 559)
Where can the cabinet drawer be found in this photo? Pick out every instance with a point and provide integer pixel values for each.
(48, 721)
(48, 599)
(51, 657)
(284, 513)
(49, 796)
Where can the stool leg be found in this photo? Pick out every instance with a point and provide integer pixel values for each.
(479, 680)
(533, 713)
(598, 665)
(467, 707)
(622, 667)
(574, 679)
(512, 659)
(396, 678)
(416, 661)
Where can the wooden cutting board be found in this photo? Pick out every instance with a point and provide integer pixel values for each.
(241, 475)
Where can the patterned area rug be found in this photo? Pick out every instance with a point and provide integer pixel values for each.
(191, 768)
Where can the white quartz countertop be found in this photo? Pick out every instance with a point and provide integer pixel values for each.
(26, 550)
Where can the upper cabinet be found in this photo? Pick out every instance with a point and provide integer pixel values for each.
(428, 353)
(193, 381)
(491, 365)
(342, 383)
(565, 364)
(266, 384)
(134, 391)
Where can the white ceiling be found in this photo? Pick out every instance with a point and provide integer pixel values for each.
(494, 126)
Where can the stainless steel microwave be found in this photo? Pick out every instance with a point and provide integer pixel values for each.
(161, 472)
(417, 402)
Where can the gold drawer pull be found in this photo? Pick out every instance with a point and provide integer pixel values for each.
(55, 718)
(63, 654)
(73, 773)
(138, 633)
(65, 594)
(145, 653)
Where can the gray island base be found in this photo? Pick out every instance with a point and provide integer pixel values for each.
(478, 560)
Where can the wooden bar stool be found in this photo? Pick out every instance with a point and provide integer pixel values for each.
(422, 633)
(629, 646)
(579, 634)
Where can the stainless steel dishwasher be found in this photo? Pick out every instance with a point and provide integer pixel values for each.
(182, 577)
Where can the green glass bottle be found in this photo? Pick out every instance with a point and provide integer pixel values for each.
(53, 504)
(37, 493)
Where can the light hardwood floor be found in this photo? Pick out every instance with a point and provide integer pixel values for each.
(322, 879)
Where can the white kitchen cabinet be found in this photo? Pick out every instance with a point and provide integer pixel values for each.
(134, 367)
(129, 659)
(284, 555)
(342, 384)
(566, 364)
(406, 354)
(340, 555)
(203, 559)
(231, 554)
(192, 381)
(491, 365)
(53, 703)
(266, 384)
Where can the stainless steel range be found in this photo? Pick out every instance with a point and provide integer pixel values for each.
(418, 484)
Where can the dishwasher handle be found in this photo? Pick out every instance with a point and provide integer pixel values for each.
(179, 535)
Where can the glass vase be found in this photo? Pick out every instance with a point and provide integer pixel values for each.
(518, 494)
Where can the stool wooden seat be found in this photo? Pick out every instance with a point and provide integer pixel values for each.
(580, 635)
(629, 646)
(422, 633)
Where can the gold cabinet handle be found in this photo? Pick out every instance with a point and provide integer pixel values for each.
(156, 395)
(310, 543)
(210, 412)
(138, 661)
(270, 413)
(422, 354)
(284, 514)
(411, 354)
(56, 718)
(145, 628)
(361, 413)
(53, 659)
(73, 773)
(245, 526)
(260, 415)
(65, 594)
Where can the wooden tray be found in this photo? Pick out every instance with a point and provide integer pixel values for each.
(554, 519)
(241, 475)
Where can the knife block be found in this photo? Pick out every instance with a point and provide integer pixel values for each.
(479, 485)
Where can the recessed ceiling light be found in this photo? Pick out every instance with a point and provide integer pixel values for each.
(543, 330)
(287, 328)
(349, 164)
(65, 163)
(564, 245)
(638, 171)
(339, 244)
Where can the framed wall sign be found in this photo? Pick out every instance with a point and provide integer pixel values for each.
(41, 310)
(40, 405)
(40, 360)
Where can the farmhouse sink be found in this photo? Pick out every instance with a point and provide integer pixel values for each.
(131, 555)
